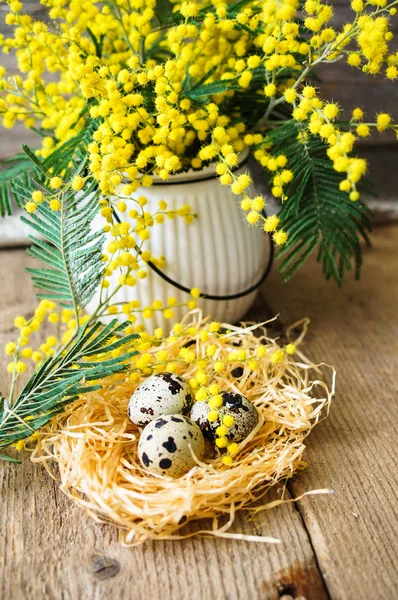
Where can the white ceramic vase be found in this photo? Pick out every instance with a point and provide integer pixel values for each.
(219, 253)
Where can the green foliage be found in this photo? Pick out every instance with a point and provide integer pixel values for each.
(35, 162)
(97, 43)
(164, 13)
(25, 166)
(17, 168)
(69, 155)
(237, 7)
(71, 250)
(317, 215)
(248, 103)
(202, 93)
(61, 378)
(72, 253)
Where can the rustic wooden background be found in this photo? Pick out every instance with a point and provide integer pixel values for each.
(334, 547)
(339, 547)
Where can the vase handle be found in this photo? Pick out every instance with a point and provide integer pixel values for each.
(205, 296)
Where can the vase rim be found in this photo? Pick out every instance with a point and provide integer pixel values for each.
(192, 175)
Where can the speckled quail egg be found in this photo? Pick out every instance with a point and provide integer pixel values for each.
(240, 408)
(159, 395)
(165, 445)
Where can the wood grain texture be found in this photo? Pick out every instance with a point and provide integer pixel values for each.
(342, 547)
(355, 533)
(52, 550)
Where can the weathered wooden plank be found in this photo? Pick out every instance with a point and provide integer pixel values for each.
(351, 88)
(11, 140)
(51, 549)
(382, 163)
(354, 533)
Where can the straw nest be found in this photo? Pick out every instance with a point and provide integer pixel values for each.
(94, 445)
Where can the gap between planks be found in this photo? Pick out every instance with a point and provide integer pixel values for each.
(355, 532)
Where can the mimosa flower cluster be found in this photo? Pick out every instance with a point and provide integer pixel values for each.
(164, 97)
(126, 92)
(210, 359)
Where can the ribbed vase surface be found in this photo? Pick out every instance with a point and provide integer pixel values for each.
(219, 253)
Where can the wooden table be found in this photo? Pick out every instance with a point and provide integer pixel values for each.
(341, 546)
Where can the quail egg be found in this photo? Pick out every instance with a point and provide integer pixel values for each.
(159, 395)
(166, 445)
(240, 408)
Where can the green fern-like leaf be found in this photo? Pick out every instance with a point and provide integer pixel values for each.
(17, 171)
(317, 214)
(63, 377)
(202, 93)
(164, 12)
(71, 154)
(19, 167)
(70, 250)
(67, 244)
(237, 7)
